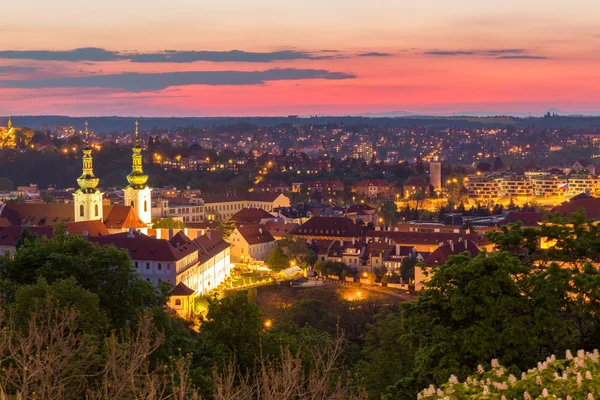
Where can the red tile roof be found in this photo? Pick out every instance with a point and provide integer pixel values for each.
(582, 196)
(121, 217)
(181, 290)
(255, 234)
(209, 245)
(426, 238)
(182, 245)
(328, 226)
(36, 214)
(251, 215)
(140, 247)
(527, 218)
(10, 234)
(591, 207)
(442, 253)
(279, 229)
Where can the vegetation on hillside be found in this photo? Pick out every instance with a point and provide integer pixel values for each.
(89, 320)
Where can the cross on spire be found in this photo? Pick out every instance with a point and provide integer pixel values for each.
(136, 133)
(87, 139)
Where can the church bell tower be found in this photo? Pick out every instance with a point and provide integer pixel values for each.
(88, 198)
(138, 194)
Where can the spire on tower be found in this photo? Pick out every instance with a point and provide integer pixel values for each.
(87, 181)
(137, 178)
(9, 124)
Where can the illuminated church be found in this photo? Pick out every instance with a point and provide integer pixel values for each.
(196, 265)
(8, 135)
(88, 206)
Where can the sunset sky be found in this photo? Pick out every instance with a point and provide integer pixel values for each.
(274, 57)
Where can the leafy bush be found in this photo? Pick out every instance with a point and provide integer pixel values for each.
(575, 377)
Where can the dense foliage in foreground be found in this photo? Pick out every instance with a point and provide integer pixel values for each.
(79, 316)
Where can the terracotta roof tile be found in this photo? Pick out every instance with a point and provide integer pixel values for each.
(328, 226)
(181, 290)
(255, 234)
(251, 215)
(441, 254)
(121, 217)
(591, 207)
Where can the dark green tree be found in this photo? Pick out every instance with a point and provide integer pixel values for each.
(167, 223)
(24, 237)
(226, 227)
(232, 329)
(65, 293)
(6, 184)
(48, 198)
(407, 269)
(387, 356)
(104, 271)
(389, 213)
(278, 260)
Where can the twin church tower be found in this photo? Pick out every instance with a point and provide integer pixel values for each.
(88, 198)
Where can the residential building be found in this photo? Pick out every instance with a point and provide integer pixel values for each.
(416, 186)
(272, 186)
(188, 210)
(374, 188)
(221, 206)
(251, 244)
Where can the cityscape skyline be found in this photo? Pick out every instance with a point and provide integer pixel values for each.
(299, 58)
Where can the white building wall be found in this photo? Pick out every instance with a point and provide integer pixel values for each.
(203, 278)
(141, 201)
(88, 206)
(156, 271)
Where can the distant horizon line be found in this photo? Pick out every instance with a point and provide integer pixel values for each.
(377, 115)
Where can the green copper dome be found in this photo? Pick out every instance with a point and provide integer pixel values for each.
(88, 181)
(137, 178)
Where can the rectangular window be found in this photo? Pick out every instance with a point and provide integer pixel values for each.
(136, 264)
(147, 265)
(159, 266)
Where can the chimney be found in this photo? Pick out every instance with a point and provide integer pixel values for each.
(84, 233)
(451, 243)
(260, 230)
(131, 233)
(209, 235)
(170, 233)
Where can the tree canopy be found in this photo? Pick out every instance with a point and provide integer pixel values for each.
(278, 260)
(104, 271)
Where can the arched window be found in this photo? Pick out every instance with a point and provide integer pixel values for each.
(81, 211)
(145, 205)
(132, 203)
(96, 210)
(178, 302)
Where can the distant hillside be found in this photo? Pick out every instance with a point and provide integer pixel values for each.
(123, 124)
